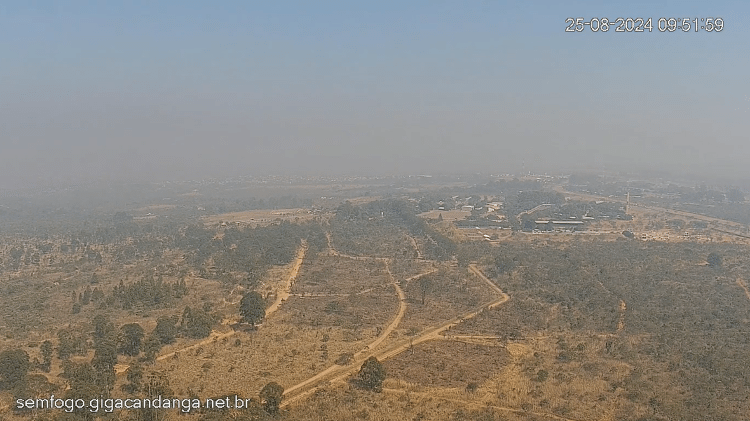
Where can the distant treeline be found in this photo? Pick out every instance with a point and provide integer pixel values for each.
(382, 227)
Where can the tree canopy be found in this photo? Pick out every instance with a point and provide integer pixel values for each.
(372, 374)
(130, 341)
(714, 260)
(252, 307)
(14, 364)
(270, 397)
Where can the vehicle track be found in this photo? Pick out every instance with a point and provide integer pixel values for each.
(621, 320)
(280, 297)
(359, 355)
(339, 373)
(744, 287)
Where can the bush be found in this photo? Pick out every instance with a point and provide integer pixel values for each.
(372, 374)
(714, 260)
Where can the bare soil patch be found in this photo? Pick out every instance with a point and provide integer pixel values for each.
(448, 215)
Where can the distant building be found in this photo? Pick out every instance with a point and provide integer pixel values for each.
(544, 225)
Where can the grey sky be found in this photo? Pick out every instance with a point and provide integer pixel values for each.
(181, 90)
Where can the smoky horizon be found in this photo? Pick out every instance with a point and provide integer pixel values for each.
(134, 93)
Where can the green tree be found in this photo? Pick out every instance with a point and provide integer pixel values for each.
(84, 382)
(135, 379)
(46, 350)
(157, 385)
(105, 358)
(86, 296)
(151, 347)
(270, 397)
(166, 329)
(130, 339)
(425, 286)
(102, 327)
(97, 295)
(196, 323)
(714, 260)
(252, 307)
(70, 343)
(14, 364)
(372, 374)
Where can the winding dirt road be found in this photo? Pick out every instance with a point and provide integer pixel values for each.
(339, 373)
(374, 344)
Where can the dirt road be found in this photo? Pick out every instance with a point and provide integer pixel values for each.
(340, 373)
(744, 287)
(396, 320)
(280, 297)
(621, 321)
(360, 355)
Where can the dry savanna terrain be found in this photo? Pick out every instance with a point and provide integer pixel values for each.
(520, 326)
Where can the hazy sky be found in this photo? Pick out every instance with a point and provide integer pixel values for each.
(138, 90)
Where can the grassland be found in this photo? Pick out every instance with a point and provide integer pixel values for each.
(527, 327)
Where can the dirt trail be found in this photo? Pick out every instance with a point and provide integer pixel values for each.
(333, 252)
(474, 270)
(621, 309)
(339, 373)
(744, 287)
(411, 278)
(621, 321)
(458, 337)
(396, 320)
(280, 297)
(359, 355)
(330, 245)
(416, 247)
(214, 336)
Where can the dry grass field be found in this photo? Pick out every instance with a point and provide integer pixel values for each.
(339, 275)
(582, 327)
(448, 364)
(449, 292)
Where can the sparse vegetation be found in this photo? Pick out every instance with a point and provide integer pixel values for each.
(585, 331)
